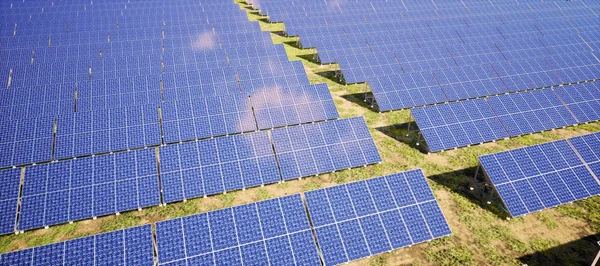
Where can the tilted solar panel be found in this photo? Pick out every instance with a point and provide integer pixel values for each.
(275, 232)
(538, 177)
(132, 246)
(324, 147)
(582, 99)
(72, 190)
(588, 146)
(9, 196)
(373, 216)
(213, 166)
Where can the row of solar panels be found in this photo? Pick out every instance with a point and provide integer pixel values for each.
(450, 84)
(343, 223)
(71, 190)
(458, 124)
(190, 117)
(280, 11)
(546, 175)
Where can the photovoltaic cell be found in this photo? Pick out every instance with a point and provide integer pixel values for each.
(324, 147)
(65, 191)
(132, 246)
(213, 166)
(582, 99)
(541, 176)
(588, 146)
(26, 141)
(9, 195)
(373, 216)
(275, 232)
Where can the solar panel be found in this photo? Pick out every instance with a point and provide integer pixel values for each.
(588, 146)
(582, 99)
(132, 246)
(108, 130)
(373, 216)
(324, 147)
(538, 177)
(281, 106)
(72, 190)
(529, 112)
(203, 117)
(458, 124)
(26, 141)
(9, 196)
(212, 166)
(275, 232)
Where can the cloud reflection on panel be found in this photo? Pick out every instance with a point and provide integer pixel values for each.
(277, 106)
(205, 41)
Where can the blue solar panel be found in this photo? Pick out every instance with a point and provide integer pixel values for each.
(458, 124)
(65, 191)
(529, 112)
(582, 99)
(588, 147)
(275, 232)
(132, 246)
(26, 141)
(198, 118)
(281, 106)
(208, 167)
(9, 194)
(324, 147)
(373, 216)
(542, 176)
(109, 130)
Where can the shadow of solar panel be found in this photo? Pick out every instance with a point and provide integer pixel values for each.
(542, 176)
(213, 166)
(275, 232)
(282, 106)
(132, 246)
(373, 216)
(324, 147)
(66, 191)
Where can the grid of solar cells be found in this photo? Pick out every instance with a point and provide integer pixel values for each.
(281, 106)
(35, 101)
(531, 46)
(132, 246)
(9, 197)
(582, 99)
(458, 124)
(198, 118)
(373, 216)
(588, 146)
(324, 147)
(271, 232)
(114, 93)
(26, 141)
(108, 130)
(538, 177)
(65, 191)
(212, 166)
(533, 111)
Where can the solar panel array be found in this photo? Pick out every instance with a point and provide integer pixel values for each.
(132, 246)
(351, 221)
(271, 232)
(70, 190)
(413, 53)
(546, 175)
(373, 216)
(463, 123)
(129, 75)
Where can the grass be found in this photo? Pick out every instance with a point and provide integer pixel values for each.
(482, 235)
